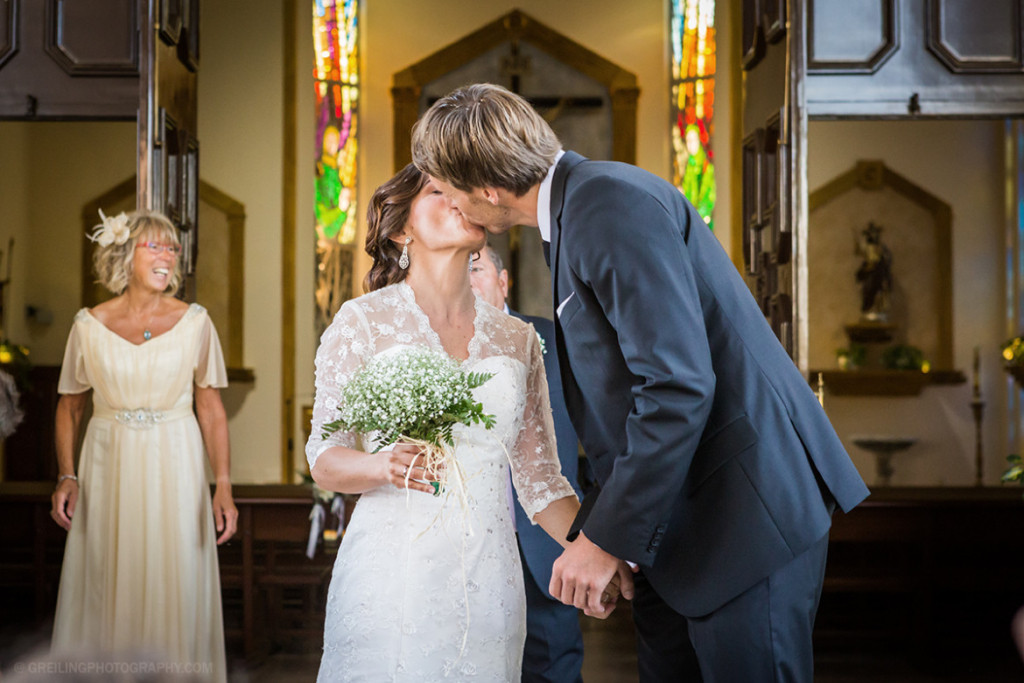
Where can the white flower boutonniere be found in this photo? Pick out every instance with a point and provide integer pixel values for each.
(543, 346)
(113, 230)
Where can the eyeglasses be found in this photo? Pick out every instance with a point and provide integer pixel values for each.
(155, 248)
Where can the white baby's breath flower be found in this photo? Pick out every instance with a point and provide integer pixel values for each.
(414, 392)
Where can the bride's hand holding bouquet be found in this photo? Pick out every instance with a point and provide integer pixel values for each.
(411, 399)
(404, 468)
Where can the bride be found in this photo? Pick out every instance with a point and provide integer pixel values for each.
(423, 589)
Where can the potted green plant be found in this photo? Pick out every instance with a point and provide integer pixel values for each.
(1013, 358)
(905, 357)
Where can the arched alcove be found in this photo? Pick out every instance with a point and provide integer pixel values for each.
(220, 277)
(516, 29)
(589, 101)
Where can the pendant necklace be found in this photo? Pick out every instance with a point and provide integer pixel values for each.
(146, 333)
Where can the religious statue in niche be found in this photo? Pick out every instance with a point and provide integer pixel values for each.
(874, 274)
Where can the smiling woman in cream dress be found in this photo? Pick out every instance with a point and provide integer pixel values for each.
(140, 566)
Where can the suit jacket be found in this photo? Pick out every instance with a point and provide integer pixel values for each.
(539, 549)
(717, 465)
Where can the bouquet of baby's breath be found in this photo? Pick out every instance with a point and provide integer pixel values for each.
(415, 396)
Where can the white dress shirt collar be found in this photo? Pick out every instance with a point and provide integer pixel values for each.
(544, 200)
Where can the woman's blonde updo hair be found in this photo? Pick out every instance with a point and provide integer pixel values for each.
(386, 217)
(113, 263)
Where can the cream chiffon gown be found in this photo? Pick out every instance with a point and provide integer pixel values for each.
(422, 589)
(140, 570)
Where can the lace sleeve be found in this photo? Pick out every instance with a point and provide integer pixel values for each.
(536, 471)
(344, 347)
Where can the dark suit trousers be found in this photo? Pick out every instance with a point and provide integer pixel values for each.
(761, 636)
(554, 643)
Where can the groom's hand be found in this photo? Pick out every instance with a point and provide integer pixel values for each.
(583, 572)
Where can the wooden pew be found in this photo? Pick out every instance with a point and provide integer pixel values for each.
(261, 563)
(918, 570)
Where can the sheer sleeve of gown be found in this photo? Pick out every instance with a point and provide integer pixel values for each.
(73, 378)
(536, 471)
(210, 370)
(344, 347)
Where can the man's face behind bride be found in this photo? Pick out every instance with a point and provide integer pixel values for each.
(436, 225)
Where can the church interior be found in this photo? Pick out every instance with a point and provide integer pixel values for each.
(861, 163)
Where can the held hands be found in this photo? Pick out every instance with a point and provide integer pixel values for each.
(590, 579)
(225, 514)
(403, 469)
(63, 502)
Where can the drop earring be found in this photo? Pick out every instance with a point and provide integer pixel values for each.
(403, 260)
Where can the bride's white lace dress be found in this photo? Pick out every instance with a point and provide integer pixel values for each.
(422, 590)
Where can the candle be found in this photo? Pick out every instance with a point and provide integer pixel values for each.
(977, 371)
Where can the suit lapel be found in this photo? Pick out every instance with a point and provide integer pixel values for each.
(570, 390)
(558, 183)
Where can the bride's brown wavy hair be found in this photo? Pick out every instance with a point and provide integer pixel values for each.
(386, 217)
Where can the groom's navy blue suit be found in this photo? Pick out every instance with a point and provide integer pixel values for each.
(554, 643)
(718, 469)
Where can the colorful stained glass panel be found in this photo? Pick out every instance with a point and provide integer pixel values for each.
(693, 102)
(336, 74)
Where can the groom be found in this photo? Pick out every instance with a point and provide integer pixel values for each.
(718, 469)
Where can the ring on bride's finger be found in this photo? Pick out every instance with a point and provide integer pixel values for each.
(405, 470)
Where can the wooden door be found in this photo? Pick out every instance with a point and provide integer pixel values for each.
(909, 59)
(774, 133)
(61, 59)
(168, 168)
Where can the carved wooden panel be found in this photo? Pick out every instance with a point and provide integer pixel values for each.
(933, 58)
(752, 35)
(773, 16)
(88, 40)
(63, 59)
(851, 37)
(8, 30)
(781, 319)
(966, 40)
(170, 17)
(775, 190)
(188, 46)
(752, 155)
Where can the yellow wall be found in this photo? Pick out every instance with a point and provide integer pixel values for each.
(961, 162)
(240, 133)
(60, 167)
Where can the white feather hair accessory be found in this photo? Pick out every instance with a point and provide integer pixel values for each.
(112, 230)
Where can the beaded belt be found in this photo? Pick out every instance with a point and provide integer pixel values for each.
(142, 418)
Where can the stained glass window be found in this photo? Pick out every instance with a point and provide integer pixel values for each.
(336, 46)
(693, 101)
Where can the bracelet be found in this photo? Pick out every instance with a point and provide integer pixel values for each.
(62, 477)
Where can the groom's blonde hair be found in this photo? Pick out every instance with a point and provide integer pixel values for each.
(482, 135)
